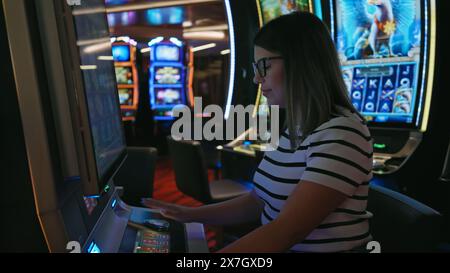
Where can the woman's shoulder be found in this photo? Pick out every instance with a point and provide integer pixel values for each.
(343, 126)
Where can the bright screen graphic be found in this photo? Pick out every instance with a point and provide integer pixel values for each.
(168, 96)
(379, 45)
(121, 53)
(167, 53)
(124, 75)
(275, 8)
(126, 97)
(167, 75)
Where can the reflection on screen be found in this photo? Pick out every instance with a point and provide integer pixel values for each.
(167, 53)
(379, 47)
(100, 85)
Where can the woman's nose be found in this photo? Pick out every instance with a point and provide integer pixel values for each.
(257, 79)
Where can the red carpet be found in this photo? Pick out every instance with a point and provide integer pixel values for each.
(166, 190)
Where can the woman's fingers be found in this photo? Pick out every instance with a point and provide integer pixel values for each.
(152, 203)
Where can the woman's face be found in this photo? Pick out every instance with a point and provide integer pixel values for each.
(272, 83)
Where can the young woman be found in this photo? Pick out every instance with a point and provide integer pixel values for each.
(311, 192)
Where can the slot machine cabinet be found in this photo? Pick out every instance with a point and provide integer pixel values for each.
(167, 81)
(124, 55)
(387, 53)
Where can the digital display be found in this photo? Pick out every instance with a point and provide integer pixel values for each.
(121, 53)
(168, 96)
(167, 53)
(167, 75)
(124, 75)
(126, 97)
(100, 88)
(379, 45)
(272, 9)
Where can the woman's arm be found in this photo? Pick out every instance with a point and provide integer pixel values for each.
(242, 209)
(307, 206)
(238, 210)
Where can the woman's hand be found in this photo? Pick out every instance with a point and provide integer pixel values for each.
(172, 211)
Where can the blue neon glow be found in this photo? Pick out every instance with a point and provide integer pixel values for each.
(332, 19)
(93, 196)
(113, 203)
(176, 41)
(232, 59)
(121, 53)
(162, 16)
(318, 9)
(155, 41)
(93, 248)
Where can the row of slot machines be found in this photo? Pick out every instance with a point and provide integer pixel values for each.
(170, 76)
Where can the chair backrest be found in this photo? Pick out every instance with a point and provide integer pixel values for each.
(190, 169)
(137, 173)
(402, 224)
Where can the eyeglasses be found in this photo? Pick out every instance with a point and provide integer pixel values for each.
(260, 66)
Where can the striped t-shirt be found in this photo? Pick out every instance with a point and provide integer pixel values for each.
(338, 154)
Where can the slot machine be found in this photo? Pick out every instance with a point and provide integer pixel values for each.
(167, 80)
(387, 52)
(124, 55)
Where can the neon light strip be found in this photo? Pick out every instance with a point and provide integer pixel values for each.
(332, 21)
(260, 18)
(232, 58)
(430, 63)
(317, 9)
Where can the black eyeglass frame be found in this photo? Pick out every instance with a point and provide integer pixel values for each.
(262, 71)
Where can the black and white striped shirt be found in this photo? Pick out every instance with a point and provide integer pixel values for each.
(338, 154)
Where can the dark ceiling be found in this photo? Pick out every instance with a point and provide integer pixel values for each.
(197, 22)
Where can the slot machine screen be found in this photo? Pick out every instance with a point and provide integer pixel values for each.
(168, 96)
(167, 53)
(380, 46)
(126, 97)
(121, 53)
(124, 75)
(167, 75)
(274, 8)
(100, 91)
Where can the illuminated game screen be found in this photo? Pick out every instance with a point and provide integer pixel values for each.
(124, 75)
(168, 96)
(167, 75)
(121, 53)
(275, 8)
(379, 45)
(167, 53)
(126, 97)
